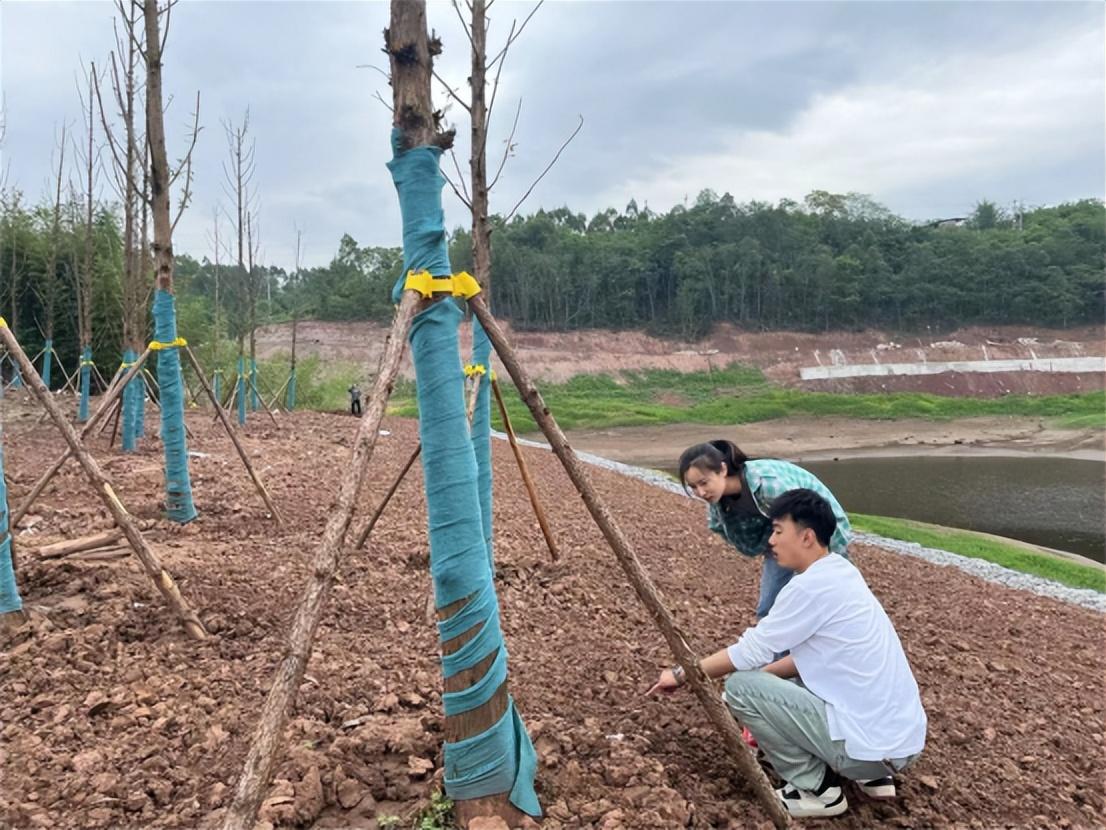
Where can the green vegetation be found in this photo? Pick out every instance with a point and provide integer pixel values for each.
(740, 394)
(966, 543)
(834, 262)
(1091, 420)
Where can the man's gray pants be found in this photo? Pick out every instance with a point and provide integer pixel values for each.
(789, 723)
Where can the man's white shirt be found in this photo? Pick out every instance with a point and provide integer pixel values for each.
(848, 654)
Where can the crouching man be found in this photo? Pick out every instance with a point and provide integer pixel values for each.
(855, 712)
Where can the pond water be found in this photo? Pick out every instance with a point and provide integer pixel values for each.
(1054, 502)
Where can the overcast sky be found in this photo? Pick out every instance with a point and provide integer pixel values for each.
(928, 107)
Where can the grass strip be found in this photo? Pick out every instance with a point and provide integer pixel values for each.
(979, 546)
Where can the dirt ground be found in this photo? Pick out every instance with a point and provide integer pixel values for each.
(111, 718)
(558, 356)
(810, 439)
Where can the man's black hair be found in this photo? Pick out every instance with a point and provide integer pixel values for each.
(806, 509)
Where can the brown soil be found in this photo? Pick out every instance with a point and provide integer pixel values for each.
(558, 356)
(111, 717)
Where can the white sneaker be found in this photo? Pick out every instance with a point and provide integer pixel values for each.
(878, 788)
(806, 804)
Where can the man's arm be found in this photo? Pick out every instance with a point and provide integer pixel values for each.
(784, 667)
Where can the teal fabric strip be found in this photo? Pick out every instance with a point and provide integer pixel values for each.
(419, 184)
(254, 404)
(178, 484)
(86, 382)
(458, 557)
(457, 703)
(482, 432)
(47, 362)
(217, 385)
(241, 391)
(290, 396)
(499, 759)
(133, 397)
(9, 591)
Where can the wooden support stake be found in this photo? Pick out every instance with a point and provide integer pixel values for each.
(716, 710)
(258, 768)
(525, 472)
(110, 399)
(157, 574)
(234, 438)
(388, 497)
(70, 546)
(364, 535)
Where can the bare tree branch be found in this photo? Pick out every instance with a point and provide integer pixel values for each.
(450, 91)
(549, 167)
(464, 23)
(460, 175)
(379, 98)
(508, 146)
(464, 199)
(186, 165)
(517, 34)
(491, 103)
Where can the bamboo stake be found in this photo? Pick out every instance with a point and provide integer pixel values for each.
(110, 399)
(716, 710)
(157, 574)
(258, 768)
(70, 546)
(233, 438)
(261, 398)
(525, 472)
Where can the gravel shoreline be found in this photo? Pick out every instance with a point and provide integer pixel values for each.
(989, 571)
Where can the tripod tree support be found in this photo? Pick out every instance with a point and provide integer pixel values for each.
(258, 768)
(531, 491)
(234, 439)
(100, 483)
(108, 405)
(716, 710)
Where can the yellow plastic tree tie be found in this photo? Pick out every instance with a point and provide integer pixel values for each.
(3, 323)
(459, 285)
(156, 346)
(474, 369)
(494, 378)
(87, 363)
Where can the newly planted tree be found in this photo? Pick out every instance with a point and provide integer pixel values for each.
(178, 485)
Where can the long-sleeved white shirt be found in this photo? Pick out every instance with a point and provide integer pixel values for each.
(848, 654)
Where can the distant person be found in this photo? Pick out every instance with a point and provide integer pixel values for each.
(739, 492)
(856, 712)
(355, 400)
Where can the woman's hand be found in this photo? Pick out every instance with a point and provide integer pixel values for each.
(668, 682)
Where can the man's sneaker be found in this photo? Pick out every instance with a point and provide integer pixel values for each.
(878, 788)
(806, 804)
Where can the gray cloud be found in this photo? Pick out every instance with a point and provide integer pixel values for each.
(927, 106)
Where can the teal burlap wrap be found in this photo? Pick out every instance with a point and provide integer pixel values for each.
(178, 485)
(500, 759)
(241, 391)
(134, 398)
(47, 362)
(86, 383)
(290, 395)
(9, 592)
(482, 432)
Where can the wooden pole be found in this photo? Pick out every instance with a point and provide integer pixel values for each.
(234, 438)
(96, 540)
(100, 483)
(364, 535)
(716, 710)
(113, 393)
(258, 768)
(525, 472)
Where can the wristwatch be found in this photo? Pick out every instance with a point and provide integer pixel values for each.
(679, 674)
